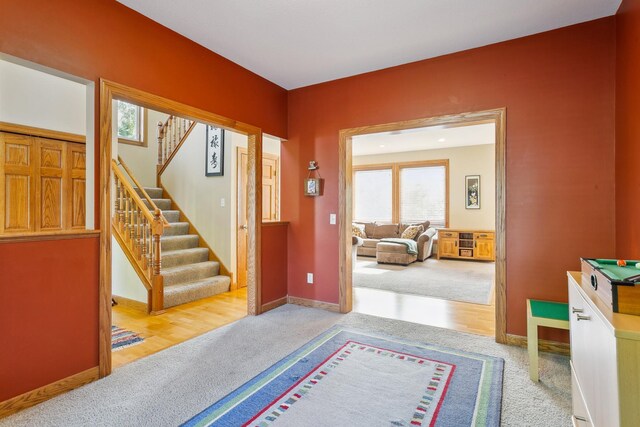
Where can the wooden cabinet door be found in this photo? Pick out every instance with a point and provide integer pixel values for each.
(76, 177)
(448, 247)
(50, 185)
(17, 183)
(484, 249)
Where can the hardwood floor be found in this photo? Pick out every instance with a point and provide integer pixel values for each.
(177, 324)
(460, 316)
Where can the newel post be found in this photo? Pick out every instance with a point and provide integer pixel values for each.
(157, 288)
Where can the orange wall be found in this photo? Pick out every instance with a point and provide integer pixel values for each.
(628, 130)
(558, 88)
(49, 315)
(97, 39)
(274, 262)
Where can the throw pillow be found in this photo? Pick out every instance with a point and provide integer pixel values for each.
(358, 231)
(412, 232)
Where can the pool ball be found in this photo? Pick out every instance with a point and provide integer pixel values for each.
(622, 263)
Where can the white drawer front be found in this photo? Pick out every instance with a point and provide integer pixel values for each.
(593, 355)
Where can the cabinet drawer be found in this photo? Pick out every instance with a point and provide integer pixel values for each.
(580, 417)
(489, 236)
(453, 234)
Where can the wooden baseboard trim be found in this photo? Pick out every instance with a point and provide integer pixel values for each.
(46, 392)
(131, 303)
(543, 345)
(274, 304)
(314, 303)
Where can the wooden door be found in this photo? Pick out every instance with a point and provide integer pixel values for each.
(241, 240)
(270, 208)
(17, 183)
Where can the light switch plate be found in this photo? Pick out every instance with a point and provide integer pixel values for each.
(222, 202)
(332, 219)
(310, 278)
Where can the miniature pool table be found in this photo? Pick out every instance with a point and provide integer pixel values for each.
(616, 285)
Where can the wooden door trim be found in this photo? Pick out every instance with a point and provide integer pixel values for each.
(345, 207)
(108, 92)
(41, 132)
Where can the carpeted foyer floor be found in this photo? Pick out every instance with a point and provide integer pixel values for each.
(169, 387)
(456, 280)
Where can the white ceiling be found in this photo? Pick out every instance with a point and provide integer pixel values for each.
(430, 138)
(296, 43)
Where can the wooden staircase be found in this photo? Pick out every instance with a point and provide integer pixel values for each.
(167, 253)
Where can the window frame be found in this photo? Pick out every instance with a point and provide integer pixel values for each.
(142, 128)
(396, 167)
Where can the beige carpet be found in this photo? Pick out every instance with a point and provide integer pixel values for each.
(466, 281)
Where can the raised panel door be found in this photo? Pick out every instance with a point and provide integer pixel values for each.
(50, 185)
(76, 175)
(17, 185)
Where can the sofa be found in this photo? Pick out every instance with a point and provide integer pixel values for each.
(375, 232)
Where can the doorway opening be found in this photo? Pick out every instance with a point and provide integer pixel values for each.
(422, 221)
(161, 223)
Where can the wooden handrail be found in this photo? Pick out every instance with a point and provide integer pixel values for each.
(134, 195)
(138, 231)
(164, 166)
(153, 206)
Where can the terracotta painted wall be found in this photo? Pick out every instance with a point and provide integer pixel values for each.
(274, 262)
(49, 318)
(97, 39)
(558, 88)
(628, 130)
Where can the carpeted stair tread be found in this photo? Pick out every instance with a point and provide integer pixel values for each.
(171, 216)
(183, 257)
(177, 229)
(153, 192)
(162, 204)
(190, 272)
(172, 243)
(190, 291)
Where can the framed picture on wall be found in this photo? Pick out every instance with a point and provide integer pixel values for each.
(214, 156)
(472, 191)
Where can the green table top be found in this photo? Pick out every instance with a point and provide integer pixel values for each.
(549, 310)
(611, 268)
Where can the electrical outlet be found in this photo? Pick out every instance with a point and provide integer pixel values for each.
(310, 278)
(222, 202)
(332, 219)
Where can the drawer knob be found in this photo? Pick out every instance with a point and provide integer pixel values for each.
(582, 317)
(576, 310)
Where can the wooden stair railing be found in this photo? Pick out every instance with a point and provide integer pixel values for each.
(171, 135)
(152, 205)
(138, 230)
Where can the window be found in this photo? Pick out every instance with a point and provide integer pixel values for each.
(423, 195)
(373, 195)
(131, 124)
(402, 192)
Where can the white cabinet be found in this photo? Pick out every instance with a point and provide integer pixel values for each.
(605, 361)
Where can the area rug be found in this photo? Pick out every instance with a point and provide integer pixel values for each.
(466, 281)
(347, 377)
(122, 338)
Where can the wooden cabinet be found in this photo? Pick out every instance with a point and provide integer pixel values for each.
(466, 244)
(605, 360)
(42, 184)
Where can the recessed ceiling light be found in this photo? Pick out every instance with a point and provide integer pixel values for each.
(441, 140)
(381, 146)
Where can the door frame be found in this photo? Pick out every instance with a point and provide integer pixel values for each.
(108, 92)
(345, 202)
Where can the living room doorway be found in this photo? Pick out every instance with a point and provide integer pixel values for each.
(424, 221)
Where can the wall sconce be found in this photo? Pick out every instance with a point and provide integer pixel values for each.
(313, 186)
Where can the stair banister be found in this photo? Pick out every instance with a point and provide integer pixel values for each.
(153, 207)
(171, 135)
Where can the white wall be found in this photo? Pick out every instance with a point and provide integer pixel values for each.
(124, 279)
(33, 98)
(471, 160)
(46, 100)
(143, 160)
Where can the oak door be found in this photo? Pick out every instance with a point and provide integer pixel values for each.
(270, 205)
(17, 183)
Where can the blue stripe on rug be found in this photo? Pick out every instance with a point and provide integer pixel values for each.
(349, 377)
(122, 338)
